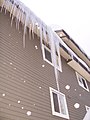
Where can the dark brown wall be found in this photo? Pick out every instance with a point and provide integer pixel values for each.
(26, 80)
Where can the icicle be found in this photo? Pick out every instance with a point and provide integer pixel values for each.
(22, 17)
(5, 10)
(3, 4)
(11, 11)
(24, 38)
(24, 33)
(13, 14)
(25, 28)
(53, 53)
(30, 31)
(19, 19)
(44, 34)
(41, 39)
(12, 20)
(18, 16)
(59, 57)
(7, 5)
(36, 28)
(16, 22)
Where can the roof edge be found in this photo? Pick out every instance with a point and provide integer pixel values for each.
(79, 48)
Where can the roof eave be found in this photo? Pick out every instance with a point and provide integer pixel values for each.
(74, 46)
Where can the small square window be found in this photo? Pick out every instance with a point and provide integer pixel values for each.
(58, 103)
(47, 55)
(82, 82)
(87, 108)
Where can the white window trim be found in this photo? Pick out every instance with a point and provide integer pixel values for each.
(59, 58)
(79, 76)
(87, 107)
(44, 47)
(52, 104)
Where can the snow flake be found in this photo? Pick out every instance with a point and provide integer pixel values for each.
(67, 87)
(36, 47)
(76, 105)
(3, 94)
(9, 105)
(19, 101)
(9, 35)
(43, 65)
(29, 113)
(80, 95)
(15, 68)
(40, 87)
(22, 107)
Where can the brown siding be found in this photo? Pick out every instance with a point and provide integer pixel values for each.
(22, 79)
(76, 94)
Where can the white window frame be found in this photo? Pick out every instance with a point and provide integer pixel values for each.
(45, 47)
(59, 67)
(59, 114)
(79, 77)
(87, 107)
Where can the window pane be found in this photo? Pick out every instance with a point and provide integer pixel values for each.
(62, 104)
(84, 83)
(48, 55)
(80, 80)
(55, 101)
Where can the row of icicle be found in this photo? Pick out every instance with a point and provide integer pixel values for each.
(28, 18)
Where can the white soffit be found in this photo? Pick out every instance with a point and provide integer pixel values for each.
(72, 45)
(79, 69)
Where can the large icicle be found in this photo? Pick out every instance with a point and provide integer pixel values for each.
(18, 16)
(3, 5)
(30, 31)
(13, 13)
(41, 39)
(25, 29)
(44, 34)
(53, 53)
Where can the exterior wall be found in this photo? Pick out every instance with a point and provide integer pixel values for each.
(22, 78)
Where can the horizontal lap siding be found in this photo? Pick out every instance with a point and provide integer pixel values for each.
(26, 80)
(76, 94)
(22, 76)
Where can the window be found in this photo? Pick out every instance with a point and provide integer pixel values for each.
(87, 108)
(82, 82)
(48, 56)
(58, 103)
